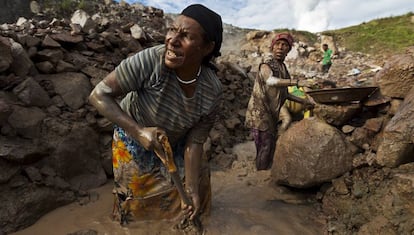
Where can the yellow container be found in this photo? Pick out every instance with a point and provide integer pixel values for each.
(295, 107)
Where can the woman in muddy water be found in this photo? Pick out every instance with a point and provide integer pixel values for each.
(171, 95)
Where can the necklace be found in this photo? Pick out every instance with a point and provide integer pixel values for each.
(190, 81)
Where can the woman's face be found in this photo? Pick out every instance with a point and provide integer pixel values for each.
(280, 49)
(185, 44)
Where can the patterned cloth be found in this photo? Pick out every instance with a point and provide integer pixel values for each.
(143, 187)
(262, 114)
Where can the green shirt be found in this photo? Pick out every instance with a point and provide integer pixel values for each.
(155, 98)
(327, 57)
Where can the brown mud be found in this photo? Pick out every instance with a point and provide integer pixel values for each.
(243, 203)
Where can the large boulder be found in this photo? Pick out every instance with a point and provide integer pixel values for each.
(397, 76)
(73, 88)
(398, 136)
(6, 54)
(77, 158)
(311, 152)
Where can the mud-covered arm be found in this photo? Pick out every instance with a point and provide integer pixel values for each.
(308, 103)
(194, 152)
(266, 73)
(275, 81)
(271, 80)
(192, 160)
(296, 99)
(103, 98)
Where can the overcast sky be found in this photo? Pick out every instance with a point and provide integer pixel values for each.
(309, 15)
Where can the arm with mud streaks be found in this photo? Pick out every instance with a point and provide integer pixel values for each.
(192, 157)
(103, 98)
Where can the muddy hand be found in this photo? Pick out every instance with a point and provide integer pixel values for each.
(148, 137)
(187, 210)
(191, 211)
(309, 105)
(306, 83)
(196, 205)
(190, 222)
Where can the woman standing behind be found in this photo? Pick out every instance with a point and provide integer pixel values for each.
(268, 96)
(170, 90)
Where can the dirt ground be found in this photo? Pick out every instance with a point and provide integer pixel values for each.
(243, 203)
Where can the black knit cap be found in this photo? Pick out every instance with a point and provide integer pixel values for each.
(211, 23)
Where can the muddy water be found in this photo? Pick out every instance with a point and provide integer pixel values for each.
(243, 203)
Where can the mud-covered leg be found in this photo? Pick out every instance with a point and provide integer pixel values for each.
(265, 146)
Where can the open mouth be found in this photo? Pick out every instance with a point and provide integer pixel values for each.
(171, 54)
(279, 53)
(173, 58)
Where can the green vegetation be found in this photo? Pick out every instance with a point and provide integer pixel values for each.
(305, 36)
(381, 36)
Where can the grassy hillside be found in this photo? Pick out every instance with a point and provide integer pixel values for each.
(378, 37)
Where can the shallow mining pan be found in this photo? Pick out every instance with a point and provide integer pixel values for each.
(341, 95)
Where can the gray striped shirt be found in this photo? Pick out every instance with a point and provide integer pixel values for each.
(155, 99)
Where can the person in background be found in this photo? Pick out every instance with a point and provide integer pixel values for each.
(168, 90)
(269, 94)
(327, 58)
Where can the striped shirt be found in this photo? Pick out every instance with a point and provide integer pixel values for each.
(155, 99)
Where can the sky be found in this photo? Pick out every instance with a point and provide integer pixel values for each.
(308, 15)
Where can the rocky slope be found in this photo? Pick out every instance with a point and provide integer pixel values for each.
(48, 67)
